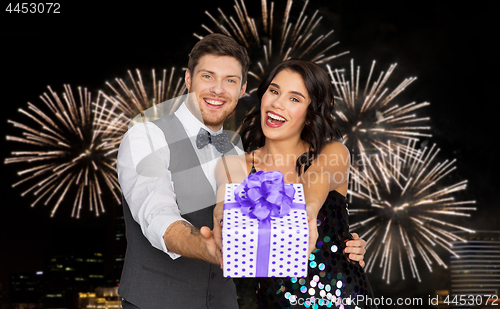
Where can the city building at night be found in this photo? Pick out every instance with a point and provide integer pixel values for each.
(26, 289)
(475, 272)
(102, 298)
(66, 275)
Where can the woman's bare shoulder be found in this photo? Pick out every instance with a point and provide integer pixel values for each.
(335, 147)
(335, 152)
(232, 165)
(234, 159)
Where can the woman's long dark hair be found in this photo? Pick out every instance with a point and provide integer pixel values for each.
(320, 126)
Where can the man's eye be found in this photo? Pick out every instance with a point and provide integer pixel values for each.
(232, 81)
(206, 76)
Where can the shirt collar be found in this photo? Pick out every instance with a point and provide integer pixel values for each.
(192, 124)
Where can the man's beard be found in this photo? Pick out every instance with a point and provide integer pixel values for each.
(209, 120)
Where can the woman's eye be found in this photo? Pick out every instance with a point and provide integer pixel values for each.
(295, 100)
(273, 91)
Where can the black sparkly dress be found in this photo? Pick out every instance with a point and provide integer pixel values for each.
(332, 278)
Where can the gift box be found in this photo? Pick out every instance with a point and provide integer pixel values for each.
(265, 231)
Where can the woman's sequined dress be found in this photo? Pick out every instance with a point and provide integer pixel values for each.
(332, 279)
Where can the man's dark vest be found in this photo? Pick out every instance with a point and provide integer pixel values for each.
(150, 278)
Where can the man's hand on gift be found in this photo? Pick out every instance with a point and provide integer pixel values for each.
(356, 249)
(207, 237)
(185, 239)
(217, 231)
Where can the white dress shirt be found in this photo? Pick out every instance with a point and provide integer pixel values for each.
(150, 194)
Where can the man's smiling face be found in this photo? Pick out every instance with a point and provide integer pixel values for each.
(216, 84)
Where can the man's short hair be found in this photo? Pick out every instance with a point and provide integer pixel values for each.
(219, 45)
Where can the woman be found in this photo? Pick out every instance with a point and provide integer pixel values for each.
(294, 132)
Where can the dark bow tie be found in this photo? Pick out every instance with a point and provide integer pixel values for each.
(220, 141)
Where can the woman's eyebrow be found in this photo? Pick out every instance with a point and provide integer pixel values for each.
(294, 92)
(298, 93)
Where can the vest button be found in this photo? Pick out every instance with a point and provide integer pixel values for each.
(213, 275)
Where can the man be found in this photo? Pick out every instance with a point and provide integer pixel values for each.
(166, 172)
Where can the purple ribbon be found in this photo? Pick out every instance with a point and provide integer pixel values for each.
(264, 196)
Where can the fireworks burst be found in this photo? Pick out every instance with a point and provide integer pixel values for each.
(368, 115)
(66, 153)
(129, 99)
(272, 44)
(408, 208)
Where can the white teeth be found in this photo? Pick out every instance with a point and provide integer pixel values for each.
(276, 117)
(214, 102)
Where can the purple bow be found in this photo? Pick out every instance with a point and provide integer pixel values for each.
(264, 194)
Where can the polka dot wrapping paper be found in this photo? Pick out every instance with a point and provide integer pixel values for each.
(274, 247)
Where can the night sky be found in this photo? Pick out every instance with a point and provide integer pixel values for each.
(448, 47)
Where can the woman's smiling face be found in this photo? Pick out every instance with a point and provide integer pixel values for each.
(284, 106)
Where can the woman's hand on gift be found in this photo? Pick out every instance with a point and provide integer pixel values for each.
(313, 234)
(356, 249)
